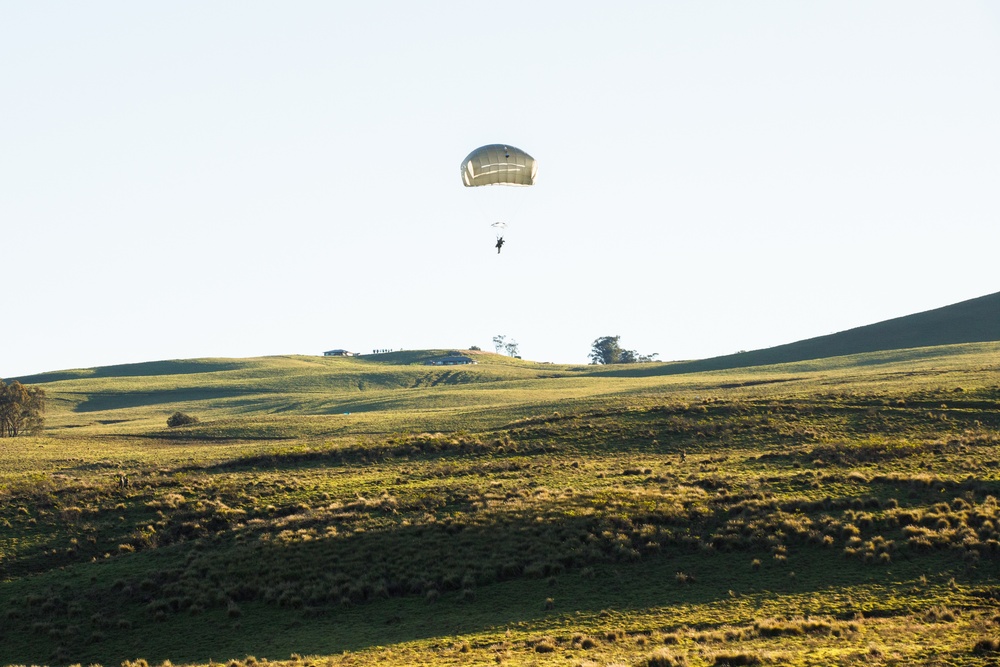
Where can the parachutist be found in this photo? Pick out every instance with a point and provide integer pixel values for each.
(485, 167)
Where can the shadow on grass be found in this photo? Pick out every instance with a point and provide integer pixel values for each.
(145, 369)
(96, 402)
(647, 594)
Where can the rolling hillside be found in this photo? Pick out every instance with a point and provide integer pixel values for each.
(372, 390)
(349, 512)
(396, 390)
(973, 321)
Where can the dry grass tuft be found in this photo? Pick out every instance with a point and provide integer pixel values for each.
(664, 658)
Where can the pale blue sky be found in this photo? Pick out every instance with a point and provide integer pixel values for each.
(192, 179)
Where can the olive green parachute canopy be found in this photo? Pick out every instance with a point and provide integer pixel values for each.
(498, 164)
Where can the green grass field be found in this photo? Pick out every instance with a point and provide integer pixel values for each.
(377, 510)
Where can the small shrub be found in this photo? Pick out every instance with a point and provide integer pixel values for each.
(180, 419)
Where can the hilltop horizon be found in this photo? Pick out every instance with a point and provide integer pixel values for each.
(971, 321)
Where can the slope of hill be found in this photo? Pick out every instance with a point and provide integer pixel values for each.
(138, 397)
(973, 321)
(838, 511)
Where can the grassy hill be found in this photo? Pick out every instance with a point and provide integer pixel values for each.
(972, 321)
(362, 510)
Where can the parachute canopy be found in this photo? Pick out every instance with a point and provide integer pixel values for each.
(499, 225)
(498, 164)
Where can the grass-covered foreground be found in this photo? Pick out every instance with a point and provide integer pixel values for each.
(353, 512)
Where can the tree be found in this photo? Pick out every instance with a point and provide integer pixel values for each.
(607, 350)
(509, 346)
(21, 408)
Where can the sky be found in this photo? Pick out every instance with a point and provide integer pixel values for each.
(236, 179)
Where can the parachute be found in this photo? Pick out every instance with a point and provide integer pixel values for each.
(498, 164)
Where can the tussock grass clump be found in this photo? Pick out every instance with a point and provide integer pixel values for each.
(544, 645)
(664, 658)
(940, 614)
(736, 659)
(795, 627)
(874, 451)
(986, 645)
